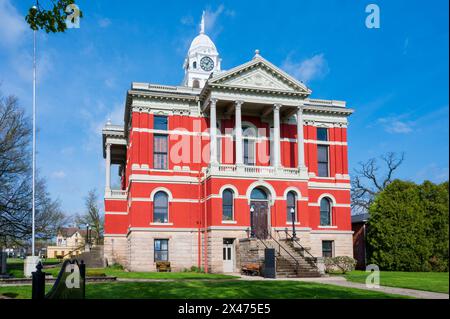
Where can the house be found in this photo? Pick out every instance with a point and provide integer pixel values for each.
(224, 157)
(69, 242)
(359, 227)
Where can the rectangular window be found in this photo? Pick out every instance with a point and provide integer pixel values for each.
(249, 152)
(327, 248)
(160, 146)
(322, 134)
(322, 157)
(160, 123)
(161, 249)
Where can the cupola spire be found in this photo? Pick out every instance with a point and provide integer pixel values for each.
(202, 24)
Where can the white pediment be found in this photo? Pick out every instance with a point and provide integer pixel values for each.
(259, 79)
(259, 74)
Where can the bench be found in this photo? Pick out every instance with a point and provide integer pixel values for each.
(252, 269)
(163, 266)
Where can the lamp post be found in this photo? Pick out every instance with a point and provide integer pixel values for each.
(252, 229)
(294, 234)
(87, 245)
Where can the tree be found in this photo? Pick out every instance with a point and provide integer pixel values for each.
(15, 181)
(368, 180)
(52, 20)
(408, 227)
(92, 216)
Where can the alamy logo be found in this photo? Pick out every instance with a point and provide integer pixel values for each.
(373, 279)
(73, 16)
(373, 19)
(73, 279)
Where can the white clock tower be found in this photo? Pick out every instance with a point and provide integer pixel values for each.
(202, 59)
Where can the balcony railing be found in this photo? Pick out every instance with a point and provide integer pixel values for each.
(253, 171)
(116, 194)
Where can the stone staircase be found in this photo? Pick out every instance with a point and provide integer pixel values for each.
(290, 260)
(93, 258)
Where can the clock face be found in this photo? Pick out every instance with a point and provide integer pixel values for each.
(206, 63)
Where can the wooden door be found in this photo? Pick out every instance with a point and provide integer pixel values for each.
(259, 220)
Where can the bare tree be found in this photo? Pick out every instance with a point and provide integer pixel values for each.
(370, 179)
(15, 181)
(92, 215)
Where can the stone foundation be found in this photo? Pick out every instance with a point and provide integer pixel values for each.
(115, 250)
(215, 248)
(343, 242)
(136, 251)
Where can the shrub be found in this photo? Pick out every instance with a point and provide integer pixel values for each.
(197, 269)
(339, 264)
(408, 227)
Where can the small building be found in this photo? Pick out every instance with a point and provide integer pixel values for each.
(69, 242)
(359, 228)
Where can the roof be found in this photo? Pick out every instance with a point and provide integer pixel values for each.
(360, 218)
(202, 41)
(70, 231)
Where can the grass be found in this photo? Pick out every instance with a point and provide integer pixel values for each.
(119, 273)
(217, 289)
(15, 265)
(428, 281)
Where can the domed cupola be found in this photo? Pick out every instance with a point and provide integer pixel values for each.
(202, 59)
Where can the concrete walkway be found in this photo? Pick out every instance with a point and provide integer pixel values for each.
(341, 281)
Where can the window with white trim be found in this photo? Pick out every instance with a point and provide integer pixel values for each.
(227, 205)
(325, 212)
(291, 201)
(161, 207)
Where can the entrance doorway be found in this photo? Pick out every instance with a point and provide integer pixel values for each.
(228, 255)
(259, 210)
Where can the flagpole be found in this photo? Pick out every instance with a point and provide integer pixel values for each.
(33, 210)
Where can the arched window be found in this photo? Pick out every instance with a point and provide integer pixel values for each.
(258, 194)
(227, 204)
(194, 64)
(325, 212)
(291, 201)
(160, 208)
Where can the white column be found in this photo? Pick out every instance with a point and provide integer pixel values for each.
(276, 136)
(300, 139)
(238, 133)
(213, 131)
(108, 167)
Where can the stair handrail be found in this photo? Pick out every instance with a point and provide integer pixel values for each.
(279, 249)
(296, 240)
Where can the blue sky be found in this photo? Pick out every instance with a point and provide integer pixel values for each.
(395, 77)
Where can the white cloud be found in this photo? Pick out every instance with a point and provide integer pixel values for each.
(23, 63)
(12, 25)
(307, 70)
(434, 173)
(187, 20)
(396, 125)
(59, 174)
(104, 22)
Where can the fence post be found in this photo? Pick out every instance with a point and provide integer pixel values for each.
(83, 277)
(38, 283)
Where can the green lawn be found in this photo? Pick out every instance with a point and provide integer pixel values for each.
(428, 281)
(119, 273)
(200, 289)
(15, 265)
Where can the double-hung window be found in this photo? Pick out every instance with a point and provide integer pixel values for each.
(322, 152)
(161, 249)
(160, 143)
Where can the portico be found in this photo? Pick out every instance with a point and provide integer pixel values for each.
(268, 94)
